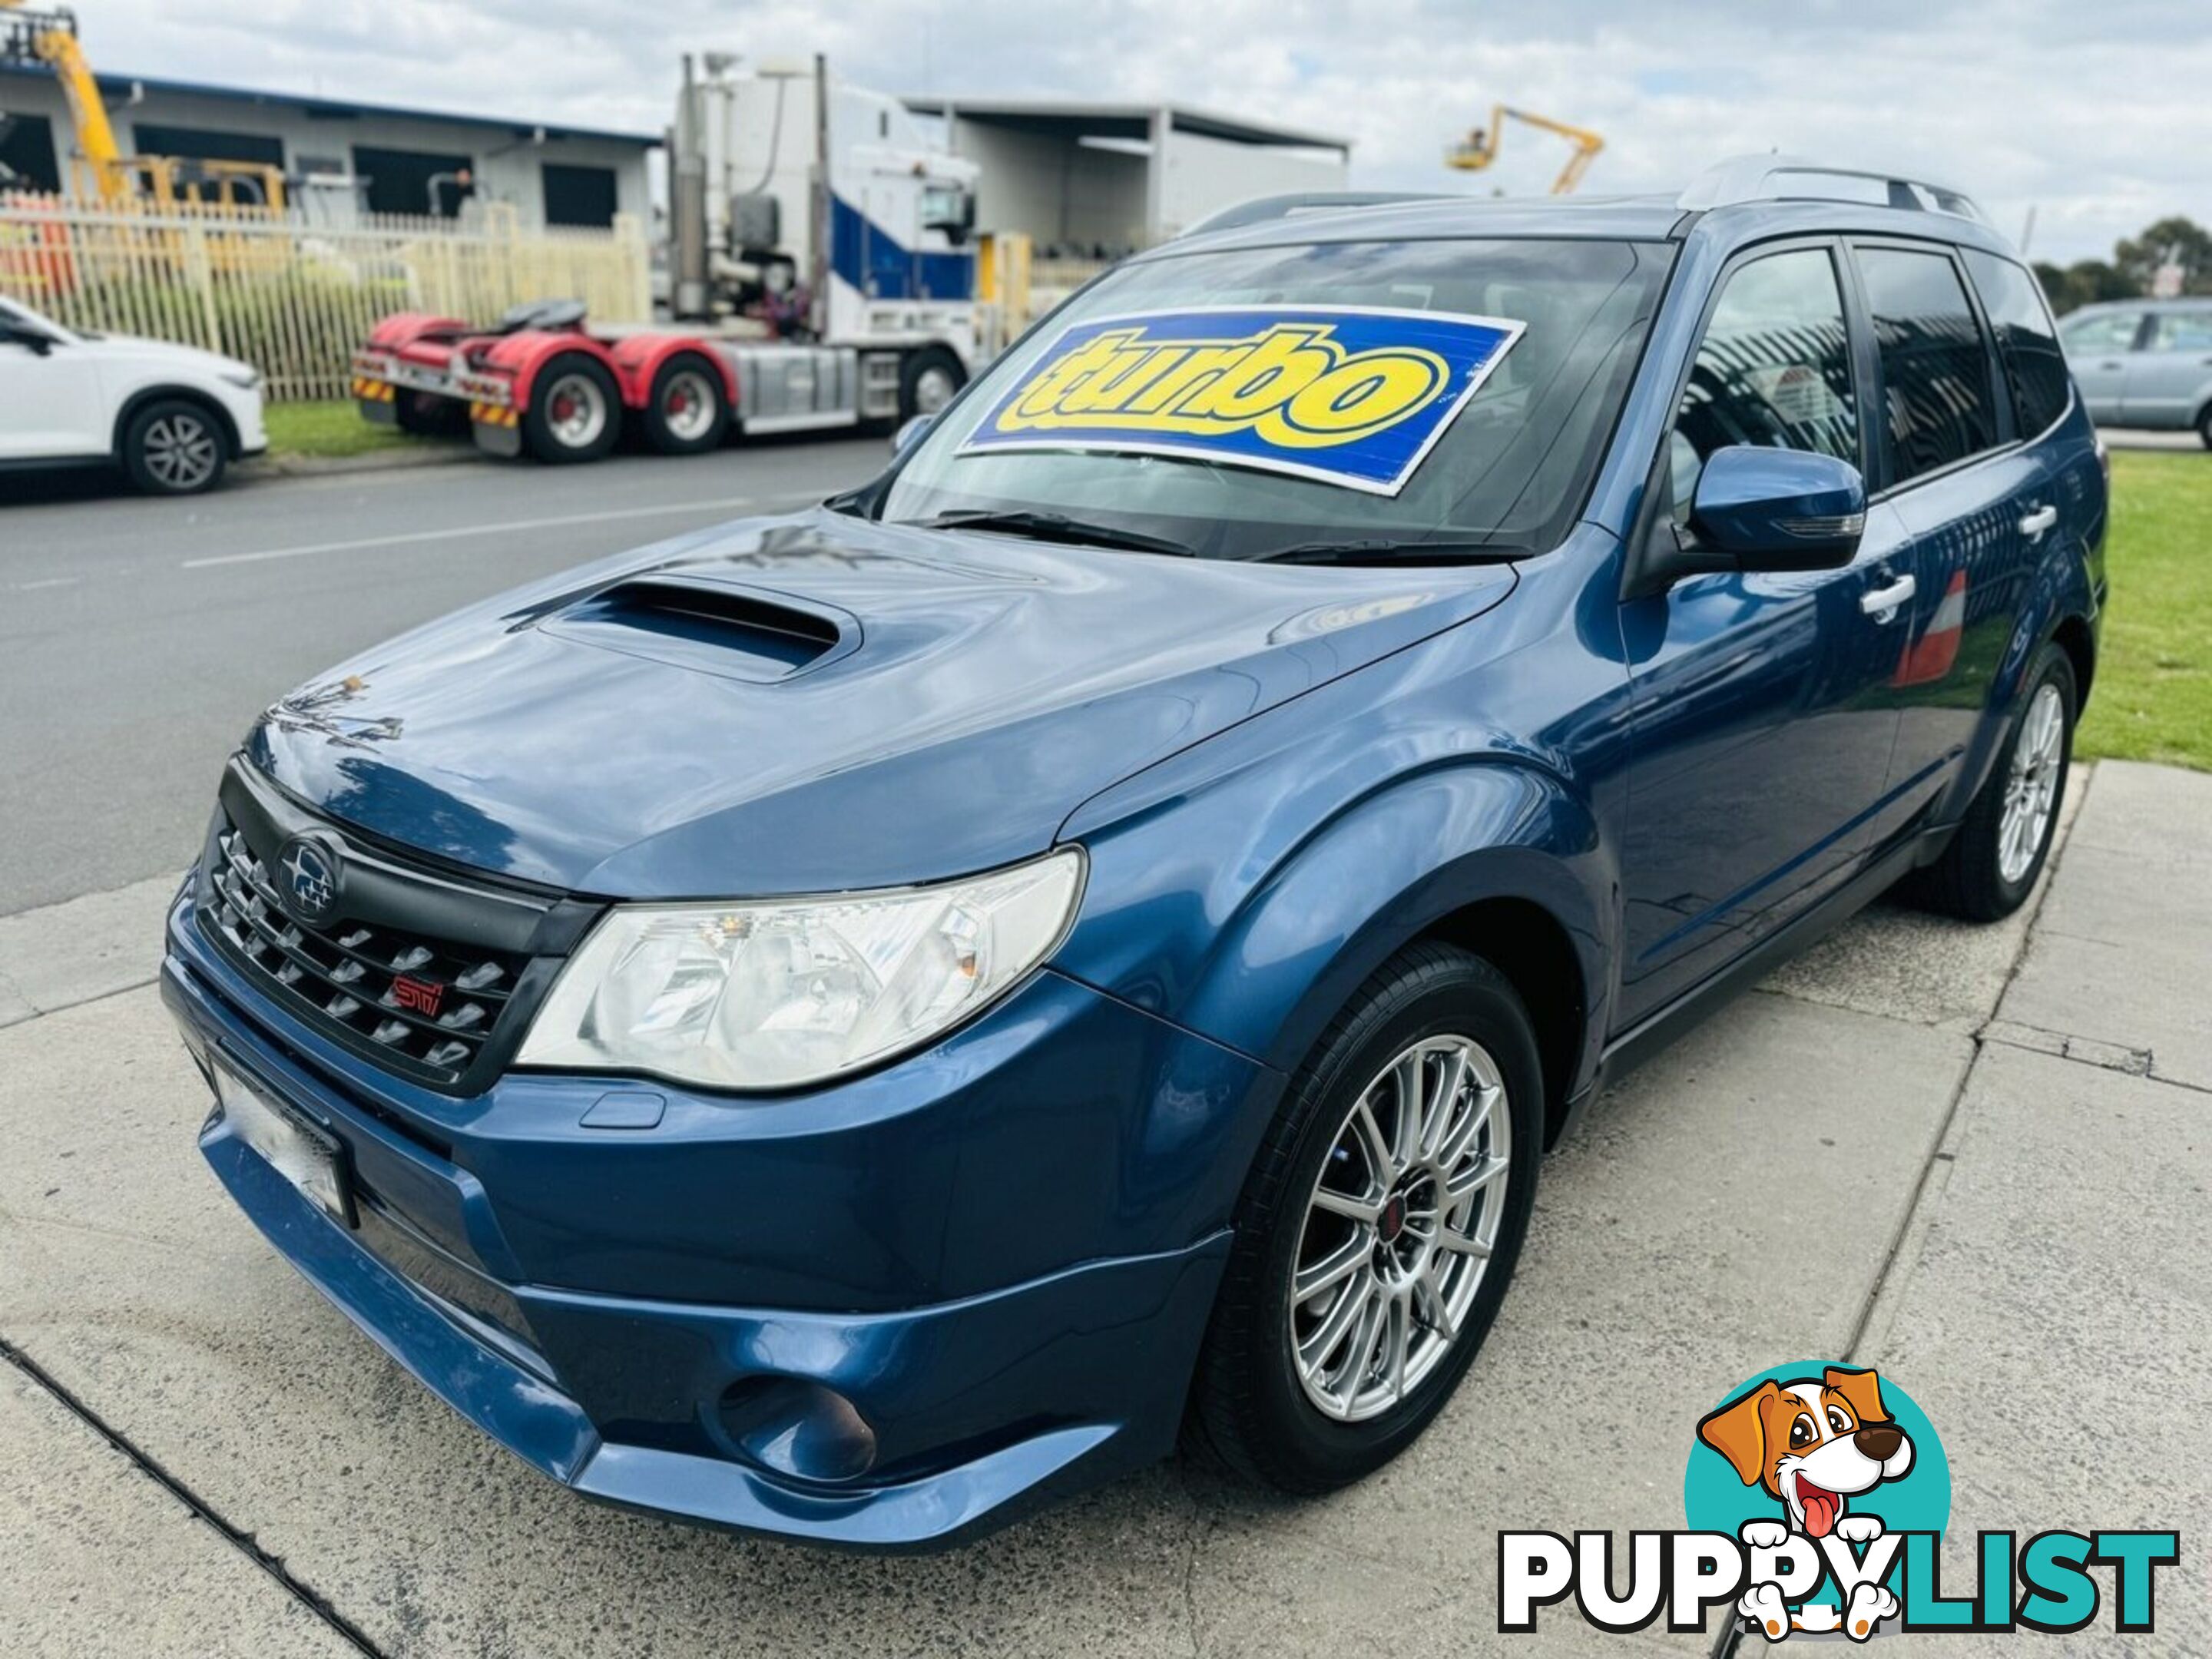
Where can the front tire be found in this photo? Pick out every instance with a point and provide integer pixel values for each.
(574, 414)
(928, 380)
(2204, 426)
(2000, 847)
(1378, 1229)
(174, 447)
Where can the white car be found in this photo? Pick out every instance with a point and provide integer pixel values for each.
(171, 416)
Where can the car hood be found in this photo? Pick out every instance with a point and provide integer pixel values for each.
(816, 703)
(163, 354)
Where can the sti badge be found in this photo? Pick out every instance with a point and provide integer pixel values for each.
(1346, 395)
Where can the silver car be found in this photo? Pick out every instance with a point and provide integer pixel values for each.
(2144, 362)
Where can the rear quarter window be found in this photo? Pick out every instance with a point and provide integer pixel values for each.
(2027, 343)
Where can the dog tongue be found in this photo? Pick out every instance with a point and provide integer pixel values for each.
(1821, 1508)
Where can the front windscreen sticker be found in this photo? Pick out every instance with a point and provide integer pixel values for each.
(1345, 394)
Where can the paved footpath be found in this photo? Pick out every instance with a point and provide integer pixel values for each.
(1976, 1157)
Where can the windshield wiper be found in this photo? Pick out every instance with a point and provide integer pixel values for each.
(1055, 527)
(1380, 550)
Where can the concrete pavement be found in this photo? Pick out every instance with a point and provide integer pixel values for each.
(1976, 1157)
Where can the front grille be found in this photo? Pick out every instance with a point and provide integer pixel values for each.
(349, 975)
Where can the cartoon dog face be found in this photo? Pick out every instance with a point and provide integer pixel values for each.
(1811, 1443)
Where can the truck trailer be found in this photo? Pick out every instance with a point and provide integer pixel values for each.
(823, 275)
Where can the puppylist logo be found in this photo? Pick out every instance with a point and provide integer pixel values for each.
(1350, 396)
(1816, 1496)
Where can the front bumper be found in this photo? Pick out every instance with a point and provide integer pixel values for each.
(912, 1424)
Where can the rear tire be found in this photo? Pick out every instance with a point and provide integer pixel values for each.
(2204, 426)
(174, 446)
(1269, 1361)
(2000, 847)
(928, 380)
(688, 412)
(574, 414)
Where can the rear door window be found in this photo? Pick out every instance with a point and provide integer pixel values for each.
(2101, 331)
(2182, 330)
(1774, 370)
(1936, 374)
(2027, 341)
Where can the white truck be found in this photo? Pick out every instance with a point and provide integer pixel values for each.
(822, 275)
(825, 210)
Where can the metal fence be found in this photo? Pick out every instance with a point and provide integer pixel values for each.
(292, 297)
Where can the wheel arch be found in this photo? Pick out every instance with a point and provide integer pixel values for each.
(1532, 947)
(138, 401)
(1496, 856)
(638, 360)
(2074, 635)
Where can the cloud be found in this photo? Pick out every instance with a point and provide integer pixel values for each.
(2095, 115)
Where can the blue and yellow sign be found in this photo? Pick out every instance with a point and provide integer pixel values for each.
(1344, 394)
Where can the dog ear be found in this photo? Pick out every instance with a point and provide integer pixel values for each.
(1862, 1391)
(1738, 1433)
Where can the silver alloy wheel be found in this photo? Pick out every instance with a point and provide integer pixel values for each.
(2032, 785)
(688, 406)
(575, 411)
(181, 451)
(932, 389)
(1400, 1228)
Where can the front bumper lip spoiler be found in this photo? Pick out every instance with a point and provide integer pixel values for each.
(549, 1431)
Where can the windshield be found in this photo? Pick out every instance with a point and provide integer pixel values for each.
(1245, 404)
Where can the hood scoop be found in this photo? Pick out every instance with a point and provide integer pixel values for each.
(707, 627)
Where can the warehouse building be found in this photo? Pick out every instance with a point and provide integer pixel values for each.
(1100, 179)
(408, 161)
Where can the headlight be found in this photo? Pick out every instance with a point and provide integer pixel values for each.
(775, 993)
(244, 379)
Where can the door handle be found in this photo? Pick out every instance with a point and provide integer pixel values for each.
(1882, 604)
(2039, 521)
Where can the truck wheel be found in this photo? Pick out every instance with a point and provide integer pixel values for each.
(1998, 850)
(174, 447)
(689, 412)
(1378, 1229)
(426, 415)
(927, 380)
(575, 414)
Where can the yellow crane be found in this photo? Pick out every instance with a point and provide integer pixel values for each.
(1481, 148)
(50, 38)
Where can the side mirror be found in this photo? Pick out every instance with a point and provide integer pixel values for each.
(909, 434)
(1755, 509)
(38, 345)
(1779, 510)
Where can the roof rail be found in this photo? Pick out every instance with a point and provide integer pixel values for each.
(1795, 178)
(1261, 209)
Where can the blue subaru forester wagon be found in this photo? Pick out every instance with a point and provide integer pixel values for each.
(849, 1024)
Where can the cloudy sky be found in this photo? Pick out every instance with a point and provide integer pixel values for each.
(2098, 113)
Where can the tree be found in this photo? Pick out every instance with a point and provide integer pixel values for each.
(2084, 282)
(2176, 240)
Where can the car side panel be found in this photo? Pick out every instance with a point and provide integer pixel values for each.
(1973, 564)
(2064, 579)
(50, 406)
(1260, 879)
(2166, 388)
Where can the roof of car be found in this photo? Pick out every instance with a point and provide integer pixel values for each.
(1279, 221)
(2183, 302)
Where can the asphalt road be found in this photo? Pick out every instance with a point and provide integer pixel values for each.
(138, 638)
